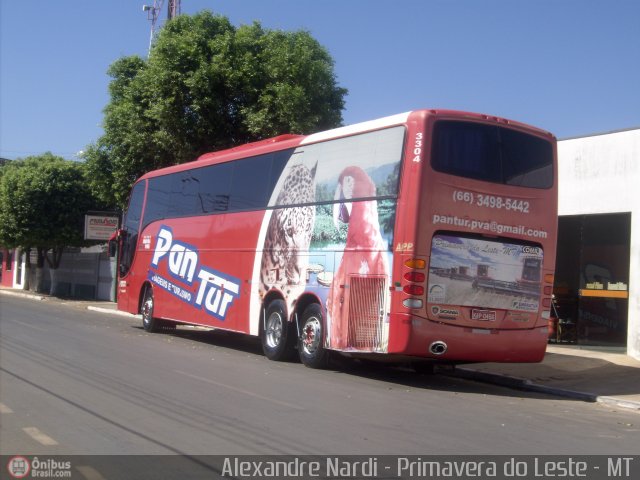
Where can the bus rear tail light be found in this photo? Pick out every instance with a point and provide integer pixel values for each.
(413, 289)
(416, 263)
(414, 276)
(548, 292)
(413, 303)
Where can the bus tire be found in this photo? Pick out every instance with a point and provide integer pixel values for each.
(149, 323)
(277, 336)
(311, 341)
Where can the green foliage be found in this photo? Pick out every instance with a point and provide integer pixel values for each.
(208, 85)
(390, 186)
(43, 200)
(387, 216)
(324, 229)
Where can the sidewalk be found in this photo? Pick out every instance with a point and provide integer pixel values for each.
(590, 374)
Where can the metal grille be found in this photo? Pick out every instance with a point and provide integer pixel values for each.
(366, 311)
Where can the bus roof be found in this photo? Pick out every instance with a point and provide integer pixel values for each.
(285, 141)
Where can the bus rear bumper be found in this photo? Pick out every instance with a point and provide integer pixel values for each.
(421, 337)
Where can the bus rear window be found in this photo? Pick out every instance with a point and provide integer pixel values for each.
(492, 154)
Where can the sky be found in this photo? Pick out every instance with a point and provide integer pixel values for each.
(571, 67)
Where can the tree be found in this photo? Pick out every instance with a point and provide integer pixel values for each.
(43, 200)
(208, 85)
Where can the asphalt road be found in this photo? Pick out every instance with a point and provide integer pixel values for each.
(78, 382)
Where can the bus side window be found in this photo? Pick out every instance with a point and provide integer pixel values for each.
(250, 187)
(129, 233)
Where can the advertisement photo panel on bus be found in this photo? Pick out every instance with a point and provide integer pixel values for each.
(484, 273)
(331, 226)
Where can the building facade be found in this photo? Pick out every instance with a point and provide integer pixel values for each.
(6, 267)
(598, 265)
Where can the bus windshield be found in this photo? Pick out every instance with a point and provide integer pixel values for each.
(492, 153)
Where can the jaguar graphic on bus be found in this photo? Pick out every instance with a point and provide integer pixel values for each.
(424, 235)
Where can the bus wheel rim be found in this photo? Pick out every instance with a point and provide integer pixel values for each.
(311, 333)
(147, 308)
(273, 332)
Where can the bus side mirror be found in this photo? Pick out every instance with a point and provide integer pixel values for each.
(113, 243)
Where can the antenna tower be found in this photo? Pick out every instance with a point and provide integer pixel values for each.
(153, 14)
(173, 9)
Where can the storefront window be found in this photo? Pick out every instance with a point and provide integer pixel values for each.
(592, 277)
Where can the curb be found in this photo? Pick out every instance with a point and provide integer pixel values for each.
(30, 296)
(528, 385)
(619, 402)
(111, 311)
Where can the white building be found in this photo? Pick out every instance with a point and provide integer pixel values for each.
(598, 268)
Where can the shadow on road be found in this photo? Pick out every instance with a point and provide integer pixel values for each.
(401, 374)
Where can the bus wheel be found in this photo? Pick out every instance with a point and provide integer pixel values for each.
(311, 342)
(277, 337)
(149, 323)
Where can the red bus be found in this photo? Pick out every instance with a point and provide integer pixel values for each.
(429, 234)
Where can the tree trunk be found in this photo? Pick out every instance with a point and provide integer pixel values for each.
(27, 267)
(54, 263)
(39, 286)
(53, 276)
